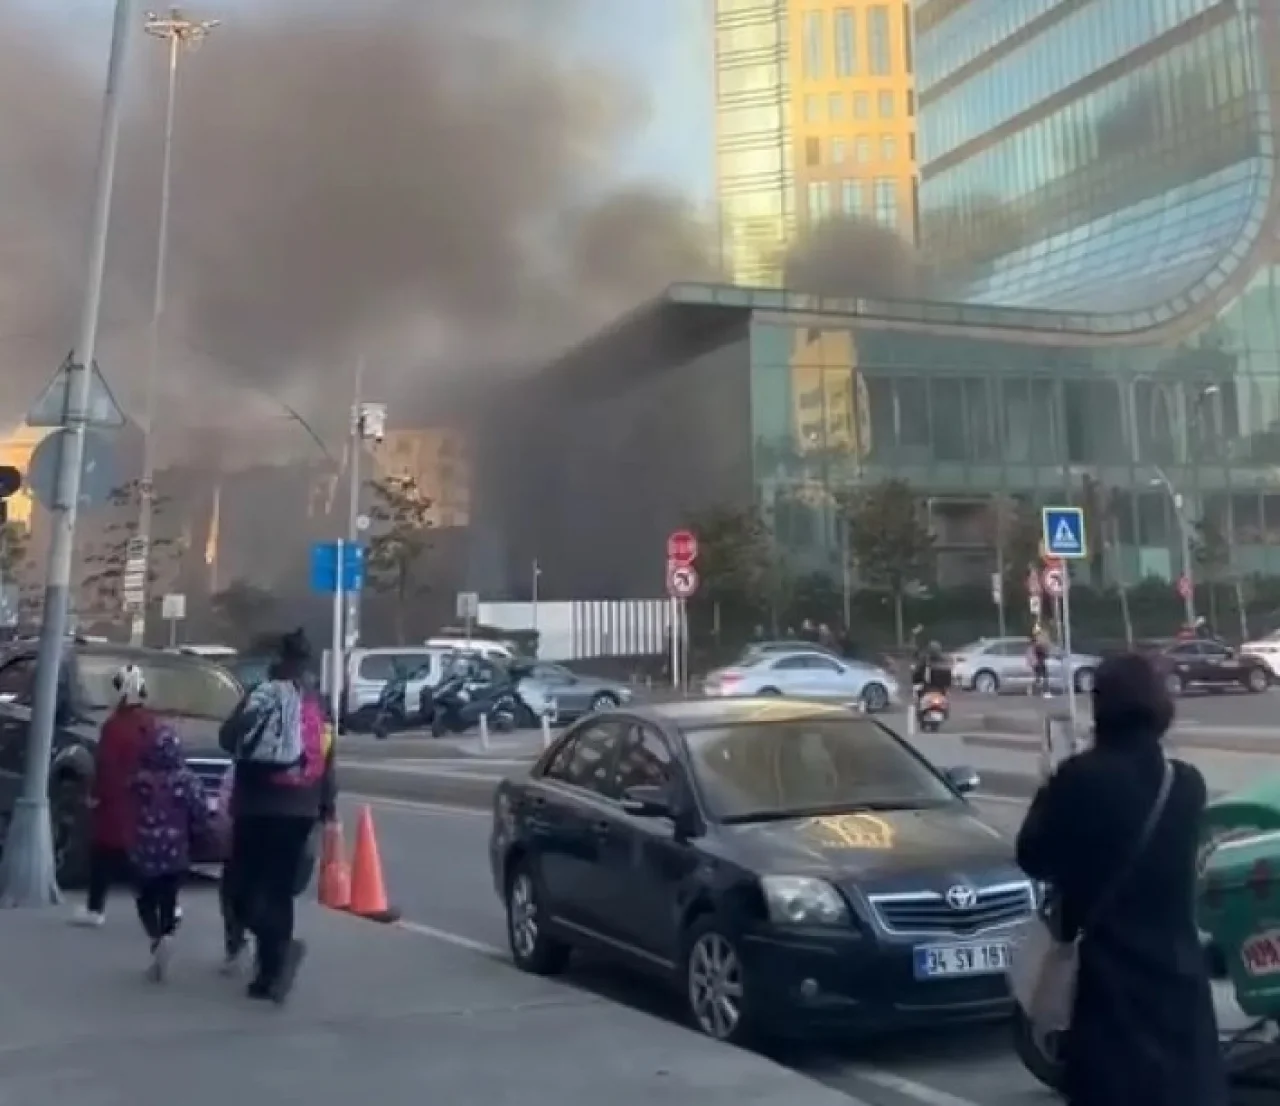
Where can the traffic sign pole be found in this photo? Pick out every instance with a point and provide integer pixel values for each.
(1067, 673)
(28, 875)
(336, 652)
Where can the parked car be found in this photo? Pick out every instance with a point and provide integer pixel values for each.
(1003, 664)
(542, 684)
(1210, 666)
(808, 674)
(1267, 650)
(788, 868)
(195, 693)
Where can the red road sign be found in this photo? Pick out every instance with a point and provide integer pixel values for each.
(682, 547)
(682, 580)
(1053, 581)
(1184, 587)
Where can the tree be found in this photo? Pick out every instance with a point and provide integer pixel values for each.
(736, 564)
(1211, 553)
(14, 547)
(245, 614)
(399, 541)
(889, 541)
(1014, 529)
(104, 561)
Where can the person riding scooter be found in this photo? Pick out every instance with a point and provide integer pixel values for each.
(931, 682)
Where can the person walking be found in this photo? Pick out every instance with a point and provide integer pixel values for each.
(284, 787)
(1114, 832)
(111, 800)
(1039, 657)
(171, 818)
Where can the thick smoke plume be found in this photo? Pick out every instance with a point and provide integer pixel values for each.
(852, 258)
(429, 184)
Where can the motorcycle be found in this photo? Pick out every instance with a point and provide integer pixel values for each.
(933, 708)
(458, 704)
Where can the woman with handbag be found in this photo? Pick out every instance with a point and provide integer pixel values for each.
(1114, 833)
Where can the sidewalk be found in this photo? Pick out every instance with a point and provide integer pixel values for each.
(380, 1015)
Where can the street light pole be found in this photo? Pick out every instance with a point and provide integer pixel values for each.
(1184, 529)
(179, 33)
(28, 875)
(358, 432)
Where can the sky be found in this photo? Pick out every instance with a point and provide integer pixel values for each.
(666, 45)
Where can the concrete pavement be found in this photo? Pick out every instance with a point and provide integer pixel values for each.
(380, 1015)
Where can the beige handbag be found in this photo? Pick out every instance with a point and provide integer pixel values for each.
(1043, 966)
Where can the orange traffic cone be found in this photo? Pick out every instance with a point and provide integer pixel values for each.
(368, 892)
(335, 872)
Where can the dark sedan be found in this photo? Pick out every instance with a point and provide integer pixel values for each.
(1209, 665)
(194, 693)
(788, 867)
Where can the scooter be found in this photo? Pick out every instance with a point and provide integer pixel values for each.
(392, 711)
(459, 704)
(933, 708)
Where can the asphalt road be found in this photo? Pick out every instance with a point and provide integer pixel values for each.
(1228, 709)
(436, 865)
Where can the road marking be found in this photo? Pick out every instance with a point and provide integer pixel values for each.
(909, 1088)
(414, 806)
(449, 938)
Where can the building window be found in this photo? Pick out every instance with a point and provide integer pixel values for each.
(819, 200)
(908, 50)
(861, 105)
(812, 151)
(911, 147)
(911, 101)
(835, 106)
(888, 148)
(813, 46)
(851, 197)
(878, 59)
(839, 150)
(812, 109)
(846, 28)
(885, 105)
(886, 201)
(862, 150)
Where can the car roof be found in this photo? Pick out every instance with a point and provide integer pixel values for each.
(698, 713)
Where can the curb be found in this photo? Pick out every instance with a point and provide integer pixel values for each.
(1227, 739)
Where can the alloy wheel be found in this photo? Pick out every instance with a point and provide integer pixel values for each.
(522, 916)
(715, 986)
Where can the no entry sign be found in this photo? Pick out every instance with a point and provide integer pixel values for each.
(682, 547)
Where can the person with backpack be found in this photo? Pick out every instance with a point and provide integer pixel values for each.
(283, 788)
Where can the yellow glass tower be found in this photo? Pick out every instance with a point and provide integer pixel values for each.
(815, 116)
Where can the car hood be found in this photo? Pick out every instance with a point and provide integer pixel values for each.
(879, 846)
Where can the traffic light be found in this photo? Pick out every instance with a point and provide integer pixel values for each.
(10, 482)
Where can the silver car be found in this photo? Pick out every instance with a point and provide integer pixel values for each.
(567, 694)
(806, 674)
(1003, 664)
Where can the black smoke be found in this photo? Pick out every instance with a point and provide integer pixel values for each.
(431, 185)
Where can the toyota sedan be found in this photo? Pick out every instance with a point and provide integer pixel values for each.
(786, 867)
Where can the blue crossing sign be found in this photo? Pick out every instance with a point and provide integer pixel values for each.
(1063, 532)
(324, 567)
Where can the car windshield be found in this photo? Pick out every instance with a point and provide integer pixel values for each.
(973, 647)
(181, 686)
(757, 771)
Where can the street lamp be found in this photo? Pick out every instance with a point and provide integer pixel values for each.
(28, 875)
(179, 33)
(1161, 480)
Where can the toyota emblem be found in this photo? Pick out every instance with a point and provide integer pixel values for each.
(962, 898)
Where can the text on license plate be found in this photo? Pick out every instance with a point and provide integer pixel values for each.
(978, 958)
(1261, 953)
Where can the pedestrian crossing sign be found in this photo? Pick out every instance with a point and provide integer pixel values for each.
(1063, 532)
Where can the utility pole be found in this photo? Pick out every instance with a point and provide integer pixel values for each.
(28, 875)
(178, 33)
(365, 424)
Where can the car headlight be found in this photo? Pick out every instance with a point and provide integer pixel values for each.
(624, 694)
(803, 900)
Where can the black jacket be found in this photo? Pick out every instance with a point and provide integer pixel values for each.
(1144, 1031)
(258, 792)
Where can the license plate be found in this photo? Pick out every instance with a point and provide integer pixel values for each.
(1261, 953)
(211, 803)
(933, 716)
(948, 961)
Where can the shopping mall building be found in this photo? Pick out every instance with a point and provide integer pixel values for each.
(1106, 169)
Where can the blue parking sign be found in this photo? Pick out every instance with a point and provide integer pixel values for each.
(1062, 530)
(324, 567)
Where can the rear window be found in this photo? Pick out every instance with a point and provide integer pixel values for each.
(185, 689)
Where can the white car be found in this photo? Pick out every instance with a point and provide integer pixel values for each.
(1266, 649)
(995, 665)
(805, 674)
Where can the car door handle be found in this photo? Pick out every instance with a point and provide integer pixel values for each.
(602, 829)
(537, 802)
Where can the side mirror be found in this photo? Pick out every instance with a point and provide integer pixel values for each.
(648, 802)
(964, 779)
